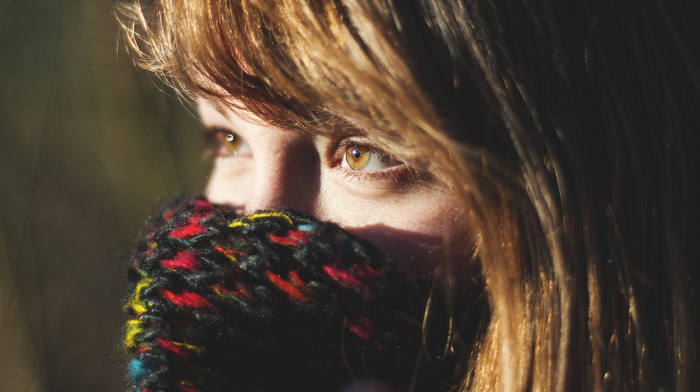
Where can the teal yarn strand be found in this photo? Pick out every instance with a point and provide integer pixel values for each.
(137, 370)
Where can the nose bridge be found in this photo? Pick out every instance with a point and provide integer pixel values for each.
(287, 174)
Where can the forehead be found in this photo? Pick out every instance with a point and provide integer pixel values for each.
(218, 114)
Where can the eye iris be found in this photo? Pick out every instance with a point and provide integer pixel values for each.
(232, 142)
(357, 157)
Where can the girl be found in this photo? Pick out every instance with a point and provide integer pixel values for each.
(530, 161)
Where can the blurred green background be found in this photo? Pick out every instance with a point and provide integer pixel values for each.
(87, 143)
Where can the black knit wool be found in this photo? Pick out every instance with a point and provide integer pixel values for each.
(277, 302)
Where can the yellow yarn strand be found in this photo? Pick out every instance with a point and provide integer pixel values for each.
(221, 293)
(187, 346)
(133, 328)
(261, 215)
(135, 302)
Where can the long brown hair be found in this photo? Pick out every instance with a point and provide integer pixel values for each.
(563, 128)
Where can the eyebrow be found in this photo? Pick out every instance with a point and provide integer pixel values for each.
(219, 107)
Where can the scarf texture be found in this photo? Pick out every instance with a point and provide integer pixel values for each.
(273, 301)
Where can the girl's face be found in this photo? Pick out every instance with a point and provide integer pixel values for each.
(342, 179)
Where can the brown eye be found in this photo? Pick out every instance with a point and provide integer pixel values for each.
(357, 157)
(230, 143)
(364, 158)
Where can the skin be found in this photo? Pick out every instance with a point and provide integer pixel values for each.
(265, 168)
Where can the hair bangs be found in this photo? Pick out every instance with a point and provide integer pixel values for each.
(294, 65)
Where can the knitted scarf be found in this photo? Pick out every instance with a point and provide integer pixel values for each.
(272, 301)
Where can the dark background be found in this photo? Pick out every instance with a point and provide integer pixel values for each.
(87, 143)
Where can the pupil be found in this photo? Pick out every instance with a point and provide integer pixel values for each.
(356, 153)
(230, 137)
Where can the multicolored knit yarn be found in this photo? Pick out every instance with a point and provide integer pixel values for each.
(269, 302)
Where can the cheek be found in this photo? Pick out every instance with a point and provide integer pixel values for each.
(411, 228)
(230, 184)
(416, 252)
